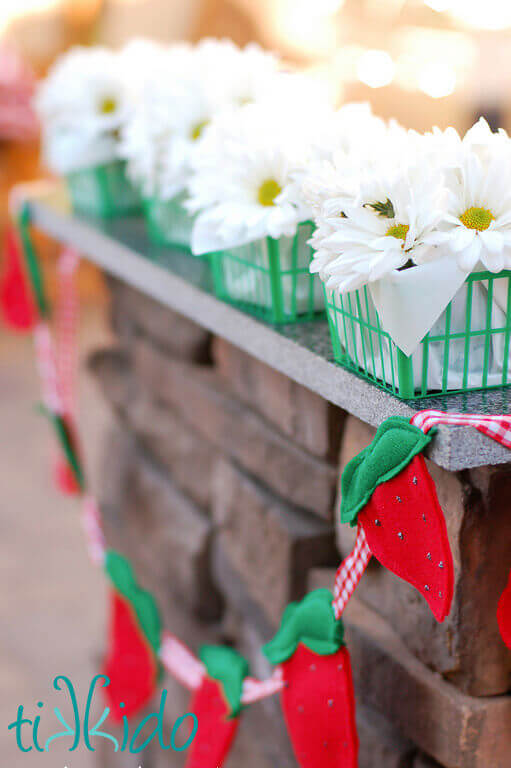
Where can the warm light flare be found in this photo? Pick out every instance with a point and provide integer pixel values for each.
(11, 10)
(307, 24)
(375, 68)
(437, 80)
(491, 14)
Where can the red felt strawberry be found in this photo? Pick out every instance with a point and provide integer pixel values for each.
(15, 294)
(132, 661)
(130, 664)
(217, 705)
(65, 478)
(317, 698)
(388, 490)
(504, 614)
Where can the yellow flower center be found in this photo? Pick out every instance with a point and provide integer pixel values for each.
(398, 230)
(108, 105)
(477, 218)
(197, 129)
(268, 191)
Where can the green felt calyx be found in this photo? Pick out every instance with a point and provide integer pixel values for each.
(230, 669)
(120, 572)
(394, 446)
(33, 268)
(310, 622)
(65, 438)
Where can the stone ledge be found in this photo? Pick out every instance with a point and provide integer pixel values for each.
(301, 352)
(167, 536)
(271, 546)
(302, 415)
(134, 312)
(159, 429)
(210, 408)
(207, 409)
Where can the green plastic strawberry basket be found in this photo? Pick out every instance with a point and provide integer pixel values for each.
(467, 349)
(270, 278)
(103, 191)
(168, 222)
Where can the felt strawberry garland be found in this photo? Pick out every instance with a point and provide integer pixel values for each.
(387, 493)
(137, 645)
(317, 699)
(388, 490)
(217, 706)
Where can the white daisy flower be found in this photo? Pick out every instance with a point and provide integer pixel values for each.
(382, 225)
(194, 85)
(82, 102)
(476, 225)
(448, 149)
(172, 113)
(242, 183)
(236, 76)
(141, 60)
(85, 84)
(344, 141)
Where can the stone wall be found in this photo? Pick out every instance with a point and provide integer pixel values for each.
(220, 483)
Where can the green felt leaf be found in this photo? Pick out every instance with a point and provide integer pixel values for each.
(230, 669)
(311, 622)
(395, 444)
(120, 572)
(32, 262)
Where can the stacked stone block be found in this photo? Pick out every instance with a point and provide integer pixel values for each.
(220, 483)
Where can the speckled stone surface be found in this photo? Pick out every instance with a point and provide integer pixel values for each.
(302, 351)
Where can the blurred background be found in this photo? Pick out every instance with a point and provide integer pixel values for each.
(423, 62)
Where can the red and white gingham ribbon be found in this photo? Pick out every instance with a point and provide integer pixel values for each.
(56, 370)
(256, 690)
(350, 572)
(182, 664)
(91, 522)
(47, 368)
(496, 427)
